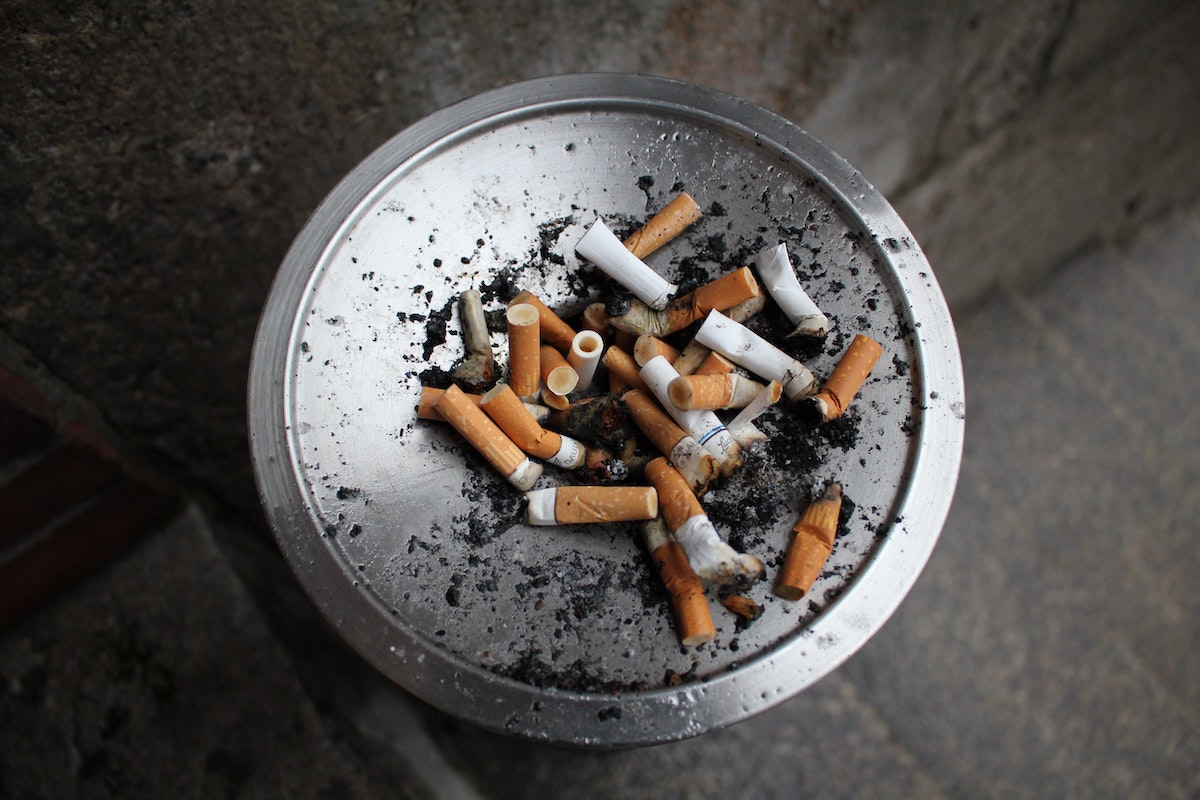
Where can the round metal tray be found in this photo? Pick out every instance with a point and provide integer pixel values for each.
(417, 551)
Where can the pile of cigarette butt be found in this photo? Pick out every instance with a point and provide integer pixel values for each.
(578, 398)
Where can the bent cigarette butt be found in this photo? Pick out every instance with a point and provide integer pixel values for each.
(557, 373)
(693, 619)
(487, 438)
(697, 466)
(712, 391)
(775, 268)
(509, 413)
(623, 368)
(587, 504)
(586, 351)
(600, 246)
(713, 560)
(811, 544)
(553, 330)
(848, 377)
(647, 347)
(769, 396)
(478, 368)
(664, 226)
(745, 347)
(524, 348)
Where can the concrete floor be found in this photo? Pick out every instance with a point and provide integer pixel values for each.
(1050, 648)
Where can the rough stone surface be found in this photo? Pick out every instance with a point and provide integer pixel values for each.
(159, 678)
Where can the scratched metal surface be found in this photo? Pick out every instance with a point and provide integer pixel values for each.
(415, 549)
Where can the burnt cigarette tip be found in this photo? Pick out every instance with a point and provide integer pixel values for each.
(617, 305)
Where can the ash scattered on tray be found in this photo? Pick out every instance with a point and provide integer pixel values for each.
(494, 506)
(531, 669)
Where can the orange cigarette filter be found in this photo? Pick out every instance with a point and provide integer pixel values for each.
(622, 368)
(811, 545)
(664, 226)
(647, 347)
(589, 504)
(713, 364)
(677, 502)
(487, 438)
(557, 373)
(553, 330)
(721, 294)
(701, 391)
(848, 377)
(659, 428)
(524, 349)
(693, 619)
(709, 392)
(426, 406)
(510, 414)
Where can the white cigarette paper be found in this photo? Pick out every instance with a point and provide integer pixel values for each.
(703, 426)
(600, 246)
(775, 269)
(769, 395)
(745, 347)
(584, 356)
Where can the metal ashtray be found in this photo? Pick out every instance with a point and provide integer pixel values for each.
(419, 554)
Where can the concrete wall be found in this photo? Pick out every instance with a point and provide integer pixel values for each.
(157, 158)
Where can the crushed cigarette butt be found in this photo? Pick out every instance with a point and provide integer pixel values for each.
(848, 377)
(664, 226)
(811, 545)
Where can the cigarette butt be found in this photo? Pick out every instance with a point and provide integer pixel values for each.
(478, 368)
(595, 318)
(557, 373)
(701, 424)
(585, 504)
(647, 347)
(509, 413)
(745, 347)
(742, 605)
(486, 437)
(601, 247)
(691, 357)
(727, 390)
(584, 356)
(679, 503)
(848, 376)
(664, 226)
(713, 364)
(721, 293)
(555, 402)
(622, 367)
(712, 559)
(524, 349)
(745, 310)
(693, 619)
(427, 405)
(553, 330)
(780, 279)
(429, 396)
(697, 466)
(811, 545)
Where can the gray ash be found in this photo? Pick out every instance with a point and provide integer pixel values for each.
(435, 327)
